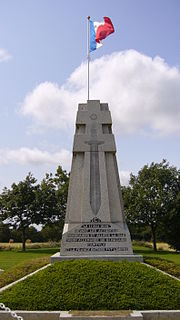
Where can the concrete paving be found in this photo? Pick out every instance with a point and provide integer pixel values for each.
(65, 315)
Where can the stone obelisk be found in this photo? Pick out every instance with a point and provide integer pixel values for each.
(95, 225)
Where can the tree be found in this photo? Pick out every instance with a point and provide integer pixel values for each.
(19, 207)
(16, 235)
(52, 196)
(52, 200)
(62, 183)
(173, 222)
(33, 234)
(47, 200)
(4, 232)
(52, 231)
(151, 195)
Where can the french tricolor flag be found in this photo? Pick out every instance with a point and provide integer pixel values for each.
(99, 31)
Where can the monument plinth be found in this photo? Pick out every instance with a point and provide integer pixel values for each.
(95, 226)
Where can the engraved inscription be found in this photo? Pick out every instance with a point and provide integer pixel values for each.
(97, 249)
(96, 237)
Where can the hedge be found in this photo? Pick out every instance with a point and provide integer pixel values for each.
(94, 285)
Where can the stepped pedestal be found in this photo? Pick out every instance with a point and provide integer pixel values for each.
(95, 226)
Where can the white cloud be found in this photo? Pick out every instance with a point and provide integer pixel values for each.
(49, 105)
(35, 157)
(4, 55)
(124, 177)
(143, 94)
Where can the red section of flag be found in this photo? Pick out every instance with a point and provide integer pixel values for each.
(104, 30)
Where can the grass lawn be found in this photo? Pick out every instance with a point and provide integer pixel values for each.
(9, 259)
(95, 285)
(119, 285)
(168, 255)
(22, 270)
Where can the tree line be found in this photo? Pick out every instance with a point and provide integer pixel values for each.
(151, 204)
(28, 203)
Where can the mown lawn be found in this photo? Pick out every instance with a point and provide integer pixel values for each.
(21, 270)
(95, 285)
(167, 255)
(9, 259)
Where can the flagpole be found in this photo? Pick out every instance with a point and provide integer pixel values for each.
(88, 54)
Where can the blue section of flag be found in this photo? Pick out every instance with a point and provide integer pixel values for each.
(92, 44)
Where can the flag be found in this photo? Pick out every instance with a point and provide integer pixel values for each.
(99, 31)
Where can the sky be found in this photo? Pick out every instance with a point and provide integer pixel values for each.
(43, 77)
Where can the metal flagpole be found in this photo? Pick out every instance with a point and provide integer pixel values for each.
(88, 52)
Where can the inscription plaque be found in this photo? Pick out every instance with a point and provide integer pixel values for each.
(96, 237)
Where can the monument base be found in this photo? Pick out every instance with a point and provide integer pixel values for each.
(131, 257)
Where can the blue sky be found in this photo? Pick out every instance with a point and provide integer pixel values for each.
(43, 51)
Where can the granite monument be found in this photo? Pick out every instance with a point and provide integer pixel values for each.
(95, 226)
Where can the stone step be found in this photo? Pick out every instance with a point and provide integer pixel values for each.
(65, 315)
(94, 315)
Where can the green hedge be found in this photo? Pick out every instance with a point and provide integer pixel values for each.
(94, 285)
(164, 265)
(22, 270)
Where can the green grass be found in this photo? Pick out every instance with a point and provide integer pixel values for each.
(164, 265)
(22, 270)
(95, 285)
(9, 259)
(167, 255)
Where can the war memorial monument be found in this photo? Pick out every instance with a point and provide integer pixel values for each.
(95, 226)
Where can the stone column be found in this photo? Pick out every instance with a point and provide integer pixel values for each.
(95, 225)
